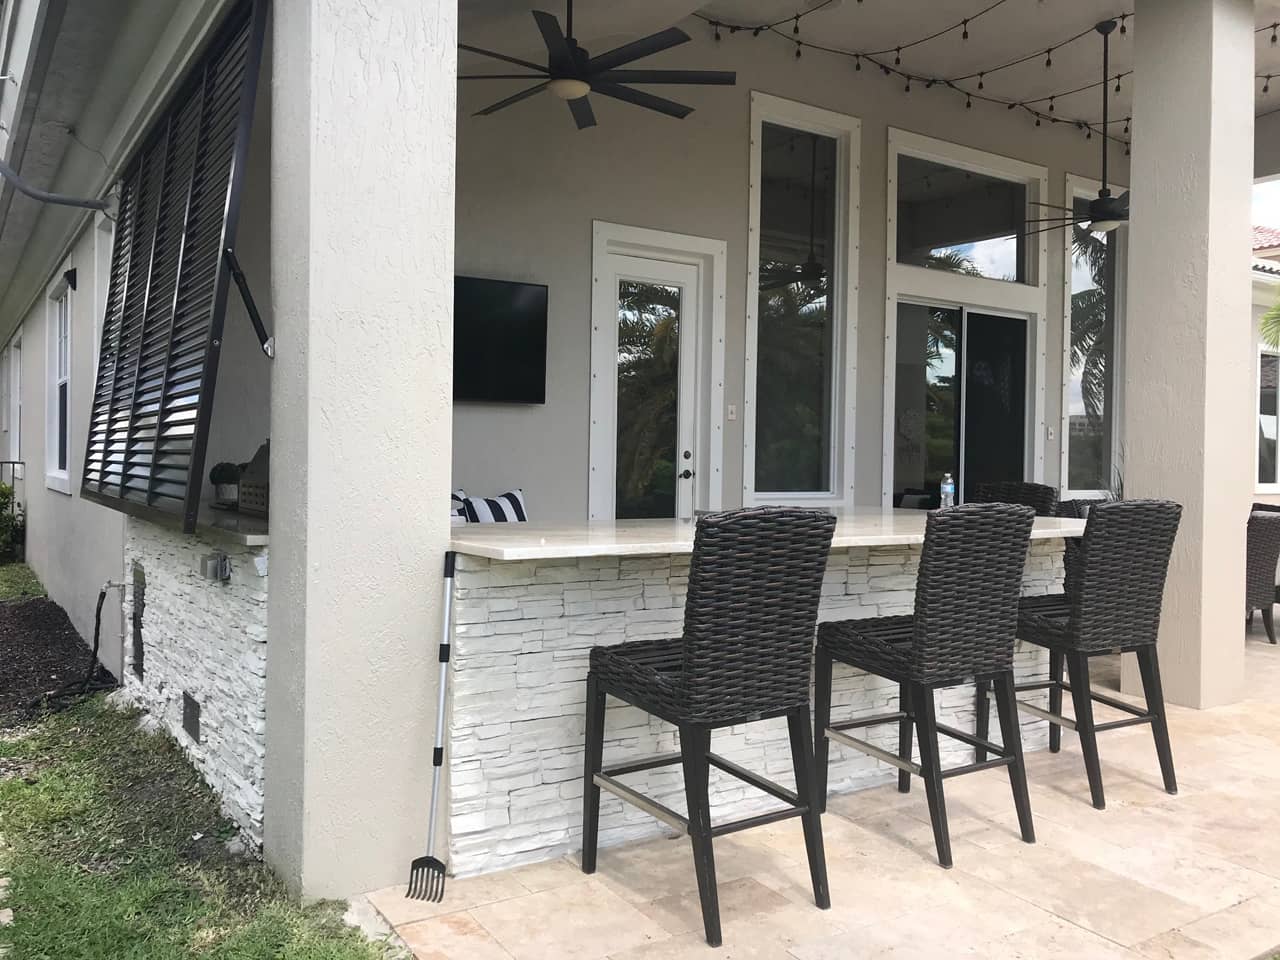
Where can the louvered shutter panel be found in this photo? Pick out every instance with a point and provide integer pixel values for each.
(179, 203)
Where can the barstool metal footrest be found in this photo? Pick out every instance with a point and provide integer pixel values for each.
(1044, 714)
(869, 721)
(976, 766)
(872, 750)
(606, 781)
(972, 740)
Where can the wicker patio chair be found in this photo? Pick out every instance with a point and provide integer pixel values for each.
(746, 654)
(1263, 543)
(1115, 590)
(1040, 498)
(966, 611)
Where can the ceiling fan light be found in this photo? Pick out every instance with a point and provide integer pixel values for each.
(567, 88)
(1103, 226)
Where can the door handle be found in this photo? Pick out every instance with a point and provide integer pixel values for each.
(686, 474)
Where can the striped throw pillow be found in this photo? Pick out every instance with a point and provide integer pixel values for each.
(456, 500)
(506, 508)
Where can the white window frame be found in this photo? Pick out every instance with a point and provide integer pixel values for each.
(847, 132)
(1259, 486)
(58, 480)
(13, 399)
(977, 294)
(104, 234)
(1078, 187)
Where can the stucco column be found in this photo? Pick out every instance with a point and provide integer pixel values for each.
(1188, 364)
(363, 104)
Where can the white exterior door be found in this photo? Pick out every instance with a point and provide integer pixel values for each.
(646, 317)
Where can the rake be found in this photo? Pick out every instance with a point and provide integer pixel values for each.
(427, 873)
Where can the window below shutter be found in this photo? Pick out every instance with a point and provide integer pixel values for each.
(166, 301)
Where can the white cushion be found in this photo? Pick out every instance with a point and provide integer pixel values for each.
(504, 508)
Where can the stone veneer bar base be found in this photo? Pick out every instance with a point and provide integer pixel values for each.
(523, 631)
(207, 639)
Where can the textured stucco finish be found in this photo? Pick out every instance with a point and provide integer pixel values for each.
(362, 282)
(1189, 339)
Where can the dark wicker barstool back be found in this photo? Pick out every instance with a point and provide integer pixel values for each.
(1124, 559)
(1072, 510)
(749, 617)
(1039, 497)
(1263, 553)
(967, 590)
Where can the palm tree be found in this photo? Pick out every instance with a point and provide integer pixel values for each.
(1270, 327)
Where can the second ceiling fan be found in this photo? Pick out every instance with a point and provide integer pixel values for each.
(572, 74)
(1106, 212)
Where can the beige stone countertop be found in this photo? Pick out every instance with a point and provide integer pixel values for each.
(869, 527)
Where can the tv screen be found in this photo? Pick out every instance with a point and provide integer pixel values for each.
(499, 341)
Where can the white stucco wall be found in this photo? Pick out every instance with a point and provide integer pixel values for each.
(530, 184)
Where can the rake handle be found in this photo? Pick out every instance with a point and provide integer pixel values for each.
(437, 755)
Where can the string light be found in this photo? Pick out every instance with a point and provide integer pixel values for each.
(953, 83)
(1266, 86)
(1273, 31)
(717, 26)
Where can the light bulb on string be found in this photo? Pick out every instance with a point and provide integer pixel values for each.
(796, 29)
(897, 57)
(1048, 58)
(965, 35)
(981, 85)
(968, 102)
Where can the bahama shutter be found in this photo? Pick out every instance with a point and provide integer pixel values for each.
(179, 203)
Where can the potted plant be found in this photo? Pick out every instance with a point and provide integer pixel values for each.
(225, 478)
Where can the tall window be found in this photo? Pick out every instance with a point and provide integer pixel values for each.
(1090, 353)
(58, 410)
(1268, 409)
(797, 266)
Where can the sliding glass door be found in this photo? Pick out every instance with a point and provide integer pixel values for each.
(960, 401)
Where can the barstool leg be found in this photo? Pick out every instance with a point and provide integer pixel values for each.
(695, 744)
(1269, 623)
(1011, 737)
(806, 792)
(931, 768)
(904, 735)
(592, 766)
(1078, 673)
(982, 720)
(821, 720)
(1055, 699)
(1149, 665)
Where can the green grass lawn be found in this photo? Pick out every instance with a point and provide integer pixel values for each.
(116, 851)
(17, 582)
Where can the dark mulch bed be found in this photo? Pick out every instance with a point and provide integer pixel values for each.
(39, 652)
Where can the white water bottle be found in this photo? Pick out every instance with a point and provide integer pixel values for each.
(948, 491)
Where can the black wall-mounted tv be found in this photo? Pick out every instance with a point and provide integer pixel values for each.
(499, 341)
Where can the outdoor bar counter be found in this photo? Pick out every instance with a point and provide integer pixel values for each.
(532, 599)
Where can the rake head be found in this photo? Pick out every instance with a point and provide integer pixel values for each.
(426, 880)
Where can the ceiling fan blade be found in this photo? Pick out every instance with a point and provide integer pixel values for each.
(514, 98)
(561, 57)
(1056, 206)
(500, 76)
(583, 115)
(645, 47)
(713, 77)
(502, 56)
(641, 99)
(1124, 202)
(1057, 220)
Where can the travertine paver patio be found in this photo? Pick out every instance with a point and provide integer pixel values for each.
(1195, 876)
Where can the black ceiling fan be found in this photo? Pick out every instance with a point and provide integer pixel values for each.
(811, 273)
(571, 73)
(1106, 212)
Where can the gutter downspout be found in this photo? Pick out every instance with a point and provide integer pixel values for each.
(44, 196)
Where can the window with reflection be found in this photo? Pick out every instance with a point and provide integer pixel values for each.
(1268, 386)
(798, 196)
(1090, 357)
(960, 221)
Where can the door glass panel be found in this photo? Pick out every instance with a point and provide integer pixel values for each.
(1089, 412)
(794, 329)
(648, 388)
(1267, 391)
(995, 399)
(926, 432)
(960, 221)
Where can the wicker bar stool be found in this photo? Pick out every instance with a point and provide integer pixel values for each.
(1043, 500)
(1114, 591)
(966, 611)
(745, 655)
(1039, 497)
(1260, 567)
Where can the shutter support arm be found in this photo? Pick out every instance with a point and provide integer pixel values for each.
(267, 342)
